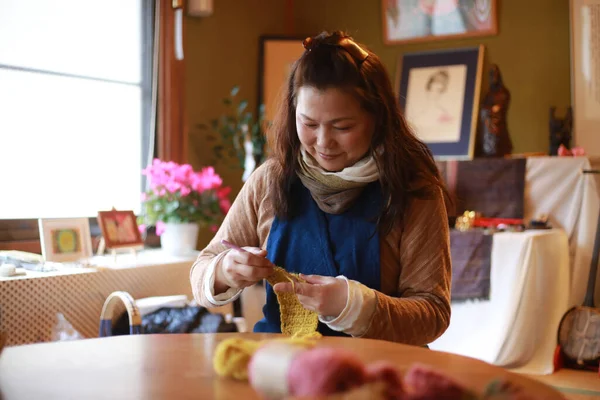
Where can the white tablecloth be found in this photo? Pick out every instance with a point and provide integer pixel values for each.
(556, 187)
(528, 296)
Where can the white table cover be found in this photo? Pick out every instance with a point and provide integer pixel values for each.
(528, 296)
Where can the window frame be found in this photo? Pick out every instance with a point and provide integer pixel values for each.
(169, 134)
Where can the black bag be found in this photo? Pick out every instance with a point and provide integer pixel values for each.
(177, 320)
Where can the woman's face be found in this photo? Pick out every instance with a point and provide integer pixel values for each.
(332, 127)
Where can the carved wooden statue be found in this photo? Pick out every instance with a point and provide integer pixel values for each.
(494, 138)
(560, 130)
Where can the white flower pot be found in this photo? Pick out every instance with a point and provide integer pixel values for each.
(179, 239)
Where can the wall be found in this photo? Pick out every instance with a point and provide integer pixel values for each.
(222, 51)
(531, 49)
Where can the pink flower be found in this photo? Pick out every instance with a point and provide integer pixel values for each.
(206, 179)
(172, 187)
(224, 205)
(185, 191)
(142, 228)
(144, 196)
(214, 228)
(160, 228)
(223, 192)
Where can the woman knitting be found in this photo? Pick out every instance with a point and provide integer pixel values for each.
(350, 199)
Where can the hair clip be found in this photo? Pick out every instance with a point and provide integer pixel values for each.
(345, 43)
(307, 43)
(355, 50)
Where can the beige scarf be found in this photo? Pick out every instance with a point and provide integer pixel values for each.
(335, 192)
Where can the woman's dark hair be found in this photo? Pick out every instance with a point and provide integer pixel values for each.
(406, 166)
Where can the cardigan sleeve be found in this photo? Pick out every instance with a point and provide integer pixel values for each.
(243, 225)
(421, 311)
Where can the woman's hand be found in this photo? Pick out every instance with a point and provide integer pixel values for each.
(240, 269)
(325, 295)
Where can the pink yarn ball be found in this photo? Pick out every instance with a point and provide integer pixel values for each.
(426, 383)
(324, 371)
(386, 372)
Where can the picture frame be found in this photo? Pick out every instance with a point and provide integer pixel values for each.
(438, 92)
(585, 84)
(120, 229)
(406, 21)
(276, 56)
(65, 239)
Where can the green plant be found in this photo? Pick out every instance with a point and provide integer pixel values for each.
(236, 126)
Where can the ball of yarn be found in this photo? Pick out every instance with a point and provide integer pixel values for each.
(384, 371)
(232, 357)
(425, 383)
(323, 371)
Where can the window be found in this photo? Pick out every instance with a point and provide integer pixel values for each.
(75, 101)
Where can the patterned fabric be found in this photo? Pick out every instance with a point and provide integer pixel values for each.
(471, 264)
(494, 187)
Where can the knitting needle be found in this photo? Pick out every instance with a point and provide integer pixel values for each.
(238, 248)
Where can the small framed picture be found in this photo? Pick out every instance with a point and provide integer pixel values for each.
(65, 239)
(439, 95)
(408, 21)
(120, 229)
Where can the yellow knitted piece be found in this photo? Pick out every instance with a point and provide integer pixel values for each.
(295, 319)
(232, 356)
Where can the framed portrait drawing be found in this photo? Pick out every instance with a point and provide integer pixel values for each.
(65, 239)
(276, 56)
(120, 229)
(426, 20)
(439, 95)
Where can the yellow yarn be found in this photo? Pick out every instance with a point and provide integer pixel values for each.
(295, 319)
(233, 355)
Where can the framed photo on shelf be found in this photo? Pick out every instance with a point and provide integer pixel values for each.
(429, 20)
(276, 56)
(120, 229)
(65, 239)
(439, 95)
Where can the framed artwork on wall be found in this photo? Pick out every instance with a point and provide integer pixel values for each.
(276, 56)
(65, 239)
(428, 20)
(439, 95)
(120, 229)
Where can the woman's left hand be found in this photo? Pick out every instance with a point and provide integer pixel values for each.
(325, 295)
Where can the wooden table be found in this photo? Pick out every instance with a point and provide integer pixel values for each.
(180, 367)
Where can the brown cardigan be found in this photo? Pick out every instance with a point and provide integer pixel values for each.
(413, 306)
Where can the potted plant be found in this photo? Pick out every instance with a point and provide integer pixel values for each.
(180, 201)
(240, 132)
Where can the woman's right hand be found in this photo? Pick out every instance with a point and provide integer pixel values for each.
(240, 269)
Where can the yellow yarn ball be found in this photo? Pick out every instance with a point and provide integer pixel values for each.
(233, 355)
